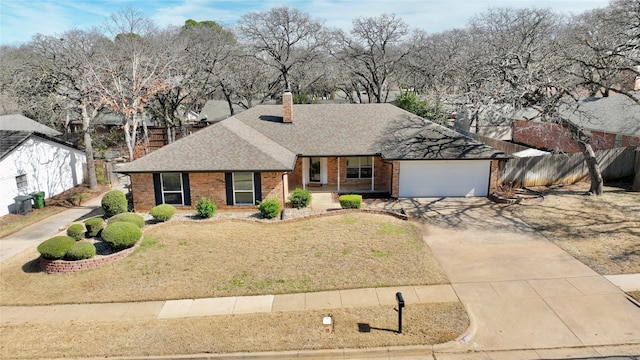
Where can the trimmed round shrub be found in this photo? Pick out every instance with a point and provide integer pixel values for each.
(133, 218)
(300, 198)
(81, 250)
(205, 208)
(163, 212)
(56, 247)
(121, 235)
(269, 208)
(94, 226)
(114, 202)
(351, 201)
(76, 231)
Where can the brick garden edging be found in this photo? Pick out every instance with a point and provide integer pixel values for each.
(67, 267)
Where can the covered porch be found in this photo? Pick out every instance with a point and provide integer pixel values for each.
(338, 174)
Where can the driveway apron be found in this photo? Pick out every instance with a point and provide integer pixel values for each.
(521, 290)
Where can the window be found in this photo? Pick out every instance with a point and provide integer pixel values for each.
(171, 184)
(21, 182)
(243, 188)
(359, 167)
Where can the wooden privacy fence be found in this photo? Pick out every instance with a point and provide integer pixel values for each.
(566, 168)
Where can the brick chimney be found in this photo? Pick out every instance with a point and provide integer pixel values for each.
(287, 106)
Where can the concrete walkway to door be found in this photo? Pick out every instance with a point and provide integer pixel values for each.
(521, 291)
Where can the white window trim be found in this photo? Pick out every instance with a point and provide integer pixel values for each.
(252, 191)
(360, 168)
(26, 182)
(172, 191)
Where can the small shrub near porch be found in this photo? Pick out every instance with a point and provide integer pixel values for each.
(205, 208)
(162, 212)
(269, 208)
(300, 198)
(351, 201)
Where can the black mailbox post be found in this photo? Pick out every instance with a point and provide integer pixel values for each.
(400, 301)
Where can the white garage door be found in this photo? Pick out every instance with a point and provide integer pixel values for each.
(444, 178)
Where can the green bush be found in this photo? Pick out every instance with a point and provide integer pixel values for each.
(269, 208)
(114, 202)
(56, 247)
(351, 201)
(300, 198)
(81, 250)
(205, 208)
(94, 226)
(121, 235)
(163, 212)
(133, 218)
(76, 231)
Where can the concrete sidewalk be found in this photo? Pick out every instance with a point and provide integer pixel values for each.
(172, 309)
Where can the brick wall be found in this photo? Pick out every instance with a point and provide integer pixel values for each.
(555, 137)
(395, 179)
(66, 267)
(201, 184)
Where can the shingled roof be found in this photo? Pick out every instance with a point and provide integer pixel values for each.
(11, 139)
(258, 140)
(17, 122)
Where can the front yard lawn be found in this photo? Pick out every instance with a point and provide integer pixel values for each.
(198, 259)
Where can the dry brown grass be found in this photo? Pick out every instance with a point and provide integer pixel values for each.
(601, 231)
(634, 294)
(423, 324)
(192, 259)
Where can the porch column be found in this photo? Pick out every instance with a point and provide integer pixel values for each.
(338, 160)
(373, 167)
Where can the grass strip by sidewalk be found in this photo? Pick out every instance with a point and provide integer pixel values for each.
(422, 324)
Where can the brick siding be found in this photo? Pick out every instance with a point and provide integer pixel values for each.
(556, 137)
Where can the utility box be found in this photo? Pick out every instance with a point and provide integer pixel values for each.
(23, 204)
(38, 199)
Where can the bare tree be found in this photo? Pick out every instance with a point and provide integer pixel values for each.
(283, 38)
(132, 70)
(374, 51)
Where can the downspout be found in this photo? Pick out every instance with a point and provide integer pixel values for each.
(338, 159)
(373, 167)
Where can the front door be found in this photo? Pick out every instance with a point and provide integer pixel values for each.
(315, 170)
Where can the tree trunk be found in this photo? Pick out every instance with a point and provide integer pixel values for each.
(594, 169)
(88, 149)
(636, 179)
(127, 139)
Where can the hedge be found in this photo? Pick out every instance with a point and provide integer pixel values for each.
(94, 226)
(133, 218)
(56, 247)
(162, 212)
(76, 231)
(81, 250)
(351, 201)
(121, 235)
(114, 202)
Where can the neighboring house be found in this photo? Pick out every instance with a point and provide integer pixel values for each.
(269, 149)
(493, 121)
(31, 161)
(614, 122)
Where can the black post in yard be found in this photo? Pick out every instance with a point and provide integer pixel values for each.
(400, 301)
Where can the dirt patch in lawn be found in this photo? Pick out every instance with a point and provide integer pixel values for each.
(423, 324)
(191, 259)
(601, 231)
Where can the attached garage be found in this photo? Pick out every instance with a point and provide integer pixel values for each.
(439, 178)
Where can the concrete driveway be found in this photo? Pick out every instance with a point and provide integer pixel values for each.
(521, 291)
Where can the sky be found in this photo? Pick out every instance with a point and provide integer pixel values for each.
(21, 19)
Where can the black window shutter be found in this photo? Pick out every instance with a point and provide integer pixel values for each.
(157, 188)
(257, 187)
(228, 181)
(186, 190)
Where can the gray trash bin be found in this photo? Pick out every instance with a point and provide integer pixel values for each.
(23, 204)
